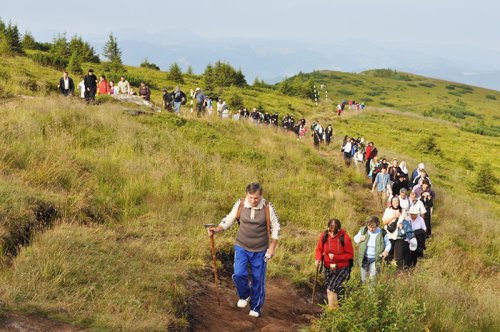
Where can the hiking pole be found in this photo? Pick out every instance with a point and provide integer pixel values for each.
(216, 279)
(315, 282)
(383, 265)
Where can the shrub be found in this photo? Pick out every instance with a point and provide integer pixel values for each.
(391, 74)
(149, 65)
(377, 309)
(385, 103)
(485, 181)
(49, 60)
(482, 129)
(344, 92)
(467, 163)
(492, 97)
(428, 145)
(427, 85)
(235, 101)
(412, 85)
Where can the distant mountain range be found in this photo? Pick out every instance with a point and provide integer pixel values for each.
(273, 60)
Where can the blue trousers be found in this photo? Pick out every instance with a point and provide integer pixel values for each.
(256, 289)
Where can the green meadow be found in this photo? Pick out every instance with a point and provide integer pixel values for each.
(102, 212)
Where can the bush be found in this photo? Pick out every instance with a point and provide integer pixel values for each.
(49, 60)
(485, 181)
(391, 74)
(343, 92)
(235, 101)
(384, 103)
(428, 145)
(492, 97)
(427, 85)
(376, 309)
(149, 65)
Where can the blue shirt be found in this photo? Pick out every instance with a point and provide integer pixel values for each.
(382, 181)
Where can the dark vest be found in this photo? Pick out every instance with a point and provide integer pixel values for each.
(252, 234)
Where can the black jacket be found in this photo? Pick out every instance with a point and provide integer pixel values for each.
(71, 86)
(90, 82)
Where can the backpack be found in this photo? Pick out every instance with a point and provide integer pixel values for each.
(268, 216)
(167, 97)
(341, 240)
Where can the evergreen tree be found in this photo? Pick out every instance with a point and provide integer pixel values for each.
(14, 38)
(190, 71)
(239, 79)
(175, 73)
(29, 42)
(74, 64)
(112, 51)
(208, 80)
(147, 64)
(485, 181)
(60, 46)
(4, 46)
(85, 52)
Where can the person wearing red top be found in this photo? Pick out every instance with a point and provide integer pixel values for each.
(103, 86)
(335, 250)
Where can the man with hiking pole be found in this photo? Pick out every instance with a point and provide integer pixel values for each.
(255, 244)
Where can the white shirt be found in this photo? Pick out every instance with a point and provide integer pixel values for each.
(66, 83)
(420, 206)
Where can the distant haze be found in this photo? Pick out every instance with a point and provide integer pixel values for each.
(455, 40)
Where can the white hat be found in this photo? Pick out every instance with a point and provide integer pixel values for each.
(198, 89)
(421, 166)
(414, 210)
(413, 244)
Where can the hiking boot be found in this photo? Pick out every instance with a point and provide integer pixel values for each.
(242, 303)
(253, 314)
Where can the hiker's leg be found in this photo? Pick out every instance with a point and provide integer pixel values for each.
(372, 268)
(258, 270)
(363, 270)
(240, 276)
(427, 219)
(332, 299)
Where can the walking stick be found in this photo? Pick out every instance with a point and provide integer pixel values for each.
(315, 282)
(216, 279)
(383, 265)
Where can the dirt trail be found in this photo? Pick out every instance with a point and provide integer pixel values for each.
(14, 322)
(284, 309)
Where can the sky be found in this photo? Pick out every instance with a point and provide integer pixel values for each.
(458, 30)
(467, 22)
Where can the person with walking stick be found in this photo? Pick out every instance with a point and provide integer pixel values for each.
(335, 252)
(374, 246)
(255, 244)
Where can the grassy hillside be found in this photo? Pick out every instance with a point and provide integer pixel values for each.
(109, 207)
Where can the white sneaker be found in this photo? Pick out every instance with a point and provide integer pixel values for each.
(242, 303)
(253, 313)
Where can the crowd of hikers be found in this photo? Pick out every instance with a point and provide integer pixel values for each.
(399, 235)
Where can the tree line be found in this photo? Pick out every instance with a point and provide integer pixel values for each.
(69, 54)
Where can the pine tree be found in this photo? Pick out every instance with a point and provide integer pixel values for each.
(485, 181)
(83, 49)
(74, 64)
(208, 80)
(190, 71)
(28, 41)
(239, 79)
(112, 51)
(14, 38)
(175, 73)
(60, 46)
